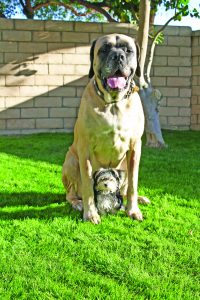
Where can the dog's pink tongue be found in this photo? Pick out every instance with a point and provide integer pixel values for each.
(116, 82)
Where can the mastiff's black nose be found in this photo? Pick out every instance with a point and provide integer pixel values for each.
(118, 56)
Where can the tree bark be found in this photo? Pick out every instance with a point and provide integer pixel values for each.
(150, 97)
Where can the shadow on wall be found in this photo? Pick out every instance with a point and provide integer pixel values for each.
(41, 92)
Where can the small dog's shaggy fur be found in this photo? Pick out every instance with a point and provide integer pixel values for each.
(107, 183)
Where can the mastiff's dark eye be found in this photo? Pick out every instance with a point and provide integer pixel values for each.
(129, 50)
(105, 48)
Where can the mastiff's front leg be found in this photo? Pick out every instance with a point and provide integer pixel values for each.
(89, 209)
(133, 161)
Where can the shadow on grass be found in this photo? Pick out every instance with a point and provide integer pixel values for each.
(45, 147)
(35, 205)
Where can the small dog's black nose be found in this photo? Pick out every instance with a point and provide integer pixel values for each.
(105, 184)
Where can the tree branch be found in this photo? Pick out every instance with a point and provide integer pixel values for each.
(152, 48)
(144, 13)
(94, 6)
(22, 3)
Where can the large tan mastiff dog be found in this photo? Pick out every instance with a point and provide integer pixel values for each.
(109, 127)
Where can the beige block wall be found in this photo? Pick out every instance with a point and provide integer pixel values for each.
(195, 101)
(44, 67)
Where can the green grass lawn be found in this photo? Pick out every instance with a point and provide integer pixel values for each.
(47, 252)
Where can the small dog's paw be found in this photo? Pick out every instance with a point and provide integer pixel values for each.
(143, 200)
(135, 214)
(77, 205)
(92, 216)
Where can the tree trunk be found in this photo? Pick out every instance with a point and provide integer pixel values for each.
(150, 97)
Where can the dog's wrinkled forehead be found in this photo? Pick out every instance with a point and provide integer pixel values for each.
(113, 40)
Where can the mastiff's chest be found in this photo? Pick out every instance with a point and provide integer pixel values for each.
(110, 132)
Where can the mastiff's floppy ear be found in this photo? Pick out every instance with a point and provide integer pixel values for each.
(138, 71)
(91, 71)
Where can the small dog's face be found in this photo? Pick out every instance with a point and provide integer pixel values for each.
(114, 61)
(107, 183)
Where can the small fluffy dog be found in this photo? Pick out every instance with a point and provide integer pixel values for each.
(107, 184)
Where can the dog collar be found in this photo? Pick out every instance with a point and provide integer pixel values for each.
(132, 89)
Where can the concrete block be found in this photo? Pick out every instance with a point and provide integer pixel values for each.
(88, 27)
(194, 119)
(61, 69)
(65, 91)
(40, 69)
(29, 25)
(179, 81)
(166, 51)
(55, 80)
(63, 112)
(48, 101)
(94, 36)
(179, 61)
(168, 111)
(59, 26)
(32, 47)
(185, 31)
(34, 113)
(19, 80)
(16, 35)
(195, 80)
(196, 109)
(18, 102)
(10, 113)
(61, 47)
(79, 91)
(2, 102)
(75, 37)
(178, 102)
(115, 27)
(2, 124)
(18, 58)
(185, 71)
(83, 49)
(196, 90)
(48, 58)
(8, 46)
(32, 91)
(170, 92)
(185, 112)
(179, 121)
(20, 124)
(160, 61)
(10, 91)
(196, 70)
(71, 102)
(179, 40)
(196, 51)
(2, 80)
(76, 80)
(6, 24)
(49, 123)
(194, 99)
(185, 51)
(159, 81)
(166, 71)
(69, 123)
(76, 59)
(46, 36)
(82, 70)
(185, 93)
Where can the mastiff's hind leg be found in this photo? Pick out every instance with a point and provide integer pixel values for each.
(71, 181)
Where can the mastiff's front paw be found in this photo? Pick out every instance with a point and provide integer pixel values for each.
(92, 216)
(135, 214)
